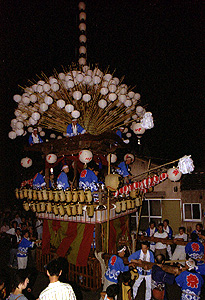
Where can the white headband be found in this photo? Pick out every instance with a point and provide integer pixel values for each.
(123, 249)
(65, 166)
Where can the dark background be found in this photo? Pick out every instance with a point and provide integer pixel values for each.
(157, 45)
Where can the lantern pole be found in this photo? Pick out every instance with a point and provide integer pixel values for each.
(108, 205)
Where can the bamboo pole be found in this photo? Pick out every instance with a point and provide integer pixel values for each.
(108, 207)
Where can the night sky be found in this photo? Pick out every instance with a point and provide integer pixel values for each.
(157, 45)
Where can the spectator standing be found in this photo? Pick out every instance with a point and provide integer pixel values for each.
(150, 232)
(19, 283)
(15, 240)
(4, 227)
(161, 248)
(169, 231)
(179, 252)
(144, 273)
(56, 289)
(39, 228)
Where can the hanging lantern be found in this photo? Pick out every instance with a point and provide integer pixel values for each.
(102, 103)
(113, 158)
(69, 108)
(82, 27)
(85, 156)
(147, 121)
(112, 181)
(138, 128)
(12, 135)
(51, 158)
(26, 162)
(77, 95)
(17, 98)
(43, 107)
(60, 103)
(75, 114)
(174, 174)
(86, 97)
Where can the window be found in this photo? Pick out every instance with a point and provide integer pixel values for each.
(151, 211)
(192, 212)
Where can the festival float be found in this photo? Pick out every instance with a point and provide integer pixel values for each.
(102, 103)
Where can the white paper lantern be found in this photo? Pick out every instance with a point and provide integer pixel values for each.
(77, 95)
(75, 114)
(140, 111)
(69, 108)
(87, 79)
(113, 158)
(26, 100)
(117, 80)
(128, 135)
(19, 125)
(128, 103)
(51, 158)
(82, 61)
(36, 116)
(17, 98)
(40, 89)
(174, 174)
(30, 129)
(137, 96)
(102, 103)
(82, 38)
(24, 116)
(41, 82)
(82, 27)
(96, 79)
(33, 98)
(82, 50)
(131, 94)
(126, 141)
(138, 128)
(39, 129)
(61, 76)
(104, 83)
(112, 97)
(82, 16)
(81, 6)
(19, 132)
(32, 121)
(34, 87)
(13, 123)
(48, 100)
(42, 133)
(68, 77)
(86, 97)
(112, 88)
(134, 117)
(85, 156)
(52, 80)
(125, 130)
(122, 98)
(79, 77)
(43, 106)
(104, 91)
(60, 103)
(107, 77)
(17, 113)
(70, 84)
(46, 87)
(12, 135)
(59, 137)
(26, 162)
(52, 136)
(186, 164)
(55, 87)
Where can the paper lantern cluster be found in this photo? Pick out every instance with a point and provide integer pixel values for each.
(82, 37)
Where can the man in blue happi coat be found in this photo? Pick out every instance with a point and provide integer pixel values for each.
(194, 249)
(123, 167)
(38, 181)
(74, 129)
(35, 138)
(62, 180)
(190, 282)
(88, 177)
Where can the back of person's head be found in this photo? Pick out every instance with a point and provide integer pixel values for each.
(160, 259)
(54, 267)
(25, 232)
(112, 290)
(93, 166)
(194, 237)
(182, 228)
(18, 277)
(126, 277)
(121, 248)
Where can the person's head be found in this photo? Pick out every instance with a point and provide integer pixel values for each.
(26, 234)
(18, 231)
(65, 168)
(35, 131)
(54, 268)
(19, 280)
(181, 230)
(93, 166)
(160, 259)
(145, 246)
(52, 176)
(160, 227)
(74, 122)
(121, 129)
(112, 290)
(152, 224)
(199, 227)
(194, 237)
(23, 219)
(190, 264)
(14, 224)
(121, 251)
(126, 277)
(166, 223)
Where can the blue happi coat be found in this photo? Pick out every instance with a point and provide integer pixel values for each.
(195, 250)
(62, 181)
(115, 266)
(80, 130)
(23, 247)
(88, 179)
(123, 169)
(190, 284)
(38, 181)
